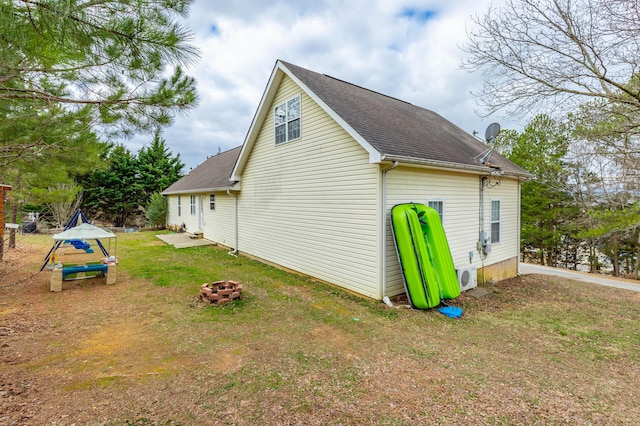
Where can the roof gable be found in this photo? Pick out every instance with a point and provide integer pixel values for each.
(387, 128)
(212, 175)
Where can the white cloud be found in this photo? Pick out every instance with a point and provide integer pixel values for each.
(406, 49)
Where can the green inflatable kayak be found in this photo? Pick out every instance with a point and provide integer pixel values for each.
(440, 252)
(425, 258)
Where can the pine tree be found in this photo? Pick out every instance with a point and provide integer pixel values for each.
(158, 168)
(105, 60)
(114, 194)
(548, 209)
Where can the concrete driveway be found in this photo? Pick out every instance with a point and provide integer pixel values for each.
(527, 268)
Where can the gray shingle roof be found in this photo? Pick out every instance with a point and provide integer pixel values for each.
(398, 129)
(211, 175)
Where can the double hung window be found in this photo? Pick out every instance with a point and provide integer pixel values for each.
(437, 205)
(495, 221)
(287, 120)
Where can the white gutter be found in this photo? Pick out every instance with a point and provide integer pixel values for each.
(383, 242)
(453, 167)
(235, 187)
(235, 218)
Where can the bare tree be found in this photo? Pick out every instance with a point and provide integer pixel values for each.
(554, 55)
(63, 200)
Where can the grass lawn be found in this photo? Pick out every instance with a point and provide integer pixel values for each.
(145, 351)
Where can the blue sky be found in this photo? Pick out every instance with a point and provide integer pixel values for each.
(402, 48)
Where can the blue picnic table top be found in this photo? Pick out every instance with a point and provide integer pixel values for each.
(68, 270)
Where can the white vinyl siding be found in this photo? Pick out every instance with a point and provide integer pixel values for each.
(507, 192)
(462, 224)
(312, 206)
(190, 221)
(172, 207)
(219, 224)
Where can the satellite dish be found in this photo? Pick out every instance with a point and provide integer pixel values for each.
(491, 132)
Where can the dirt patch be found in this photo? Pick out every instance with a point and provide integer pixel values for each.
(334, 339)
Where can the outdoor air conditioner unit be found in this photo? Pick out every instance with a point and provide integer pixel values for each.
(467, 277)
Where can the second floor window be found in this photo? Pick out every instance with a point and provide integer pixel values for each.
(287, 120)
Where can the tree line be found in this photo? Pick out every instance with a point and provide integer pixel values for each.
(580, 207)
(122, 190)
(122, 193)
(77, 76)
(574, 66)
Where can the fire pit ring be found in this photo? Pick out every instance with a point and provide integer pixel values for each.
(220, 292)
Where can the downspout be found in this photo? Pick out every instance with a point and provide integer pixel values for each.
(384, 227)
(481, 232)
(235, 218)
(519, 224)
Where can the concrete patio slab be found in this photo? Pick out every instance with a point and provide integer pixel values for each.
(183, 240)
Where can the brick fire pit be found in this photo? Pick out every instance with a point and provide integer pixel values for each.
(220, 292)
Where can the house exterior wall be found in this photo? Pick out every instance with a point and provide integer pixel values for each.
(219, 224)
(311, 204)
(460, 194)
(172, 211)
(502, 262)
(191, 221)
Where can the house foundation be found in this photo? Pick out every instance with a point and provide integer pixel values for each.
(498, 271)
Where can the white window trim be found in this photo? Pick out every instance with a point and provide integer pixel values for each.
(192, 205)
(499, 221)
(286, 132)
(212, 202)
(179, 205)
(438, 200)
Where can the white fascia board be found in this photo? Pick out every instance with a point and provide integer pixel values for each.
(270, 92)
(258, 119)
(433, 164)
(450, 166)
(374, 155)
(203, 190)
